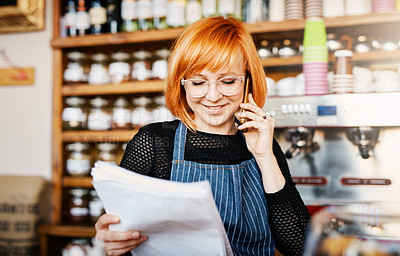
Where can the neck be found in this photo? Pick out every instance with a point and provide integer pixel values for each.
(227, 129)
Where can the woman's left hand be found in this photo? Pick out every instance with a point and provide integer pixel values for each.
(260, 129)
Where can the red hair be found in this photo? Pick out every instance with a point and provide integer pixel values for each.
(211, 43)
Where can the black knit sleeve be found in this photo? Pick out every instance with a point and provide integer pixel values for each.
(139, 153)
(288, 214)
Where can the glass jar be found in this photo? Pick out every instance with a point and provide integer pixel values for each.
(100, 115)
(161, 113)
(78, 205)
(77, 247)
(141, 65)
(159, 66)
(343, 62)
(141, 114)
(119, 68)
(74, 114)
(98, 73)
(107, 152)
(96, 208)
(77, 68)
(78, 162)
(121, 114)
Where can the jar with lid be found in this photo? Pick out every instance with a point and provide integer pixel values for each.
(100, 115)
(107, 152)
(141, 65)
(74, 114)
(78, 205)
(121, 115)
(159, 66)
(265, 50)
(96, 208)
(362, 44)
(77, 68)
(119, 68)
(78, 162)
(141, 114)
(342, 72)
(98, 73)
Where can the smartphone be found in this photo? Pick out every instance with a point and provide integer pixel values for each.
(247, 90)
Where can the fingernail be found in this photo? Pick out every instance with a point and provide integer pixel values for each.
(115, 219)
(143, 238)
(135, 234)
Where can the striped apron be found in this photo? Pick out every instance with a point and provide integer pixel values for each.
(238, 193)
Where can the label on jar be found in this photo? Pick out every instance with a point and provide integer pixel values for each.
(128, 10)
(79, 211)
(141, 116)
(70, 19)
(176, 13)
(121, 117)
(73, 114)
(209, 7)
(139, 71)
(144, 9)
(74, 73)
(98, 15)
(159, 69)
(78, 167)
(95, 208)
(98, 74)
(160, 8)
(193, 12)
(99, 120)
(82, 20)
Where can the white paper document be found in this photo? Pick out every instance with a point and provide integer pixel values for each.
(178, 218)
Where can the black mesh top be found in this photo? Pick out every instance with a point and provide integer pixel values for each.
(150, 153)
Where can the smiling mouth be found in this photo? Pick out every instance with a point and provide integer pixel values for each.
(215, 107)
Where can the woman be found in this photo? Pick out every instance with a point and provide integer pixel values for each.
(252, 187)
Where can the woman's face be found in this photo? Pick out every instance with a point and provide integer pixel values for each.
(214, 112)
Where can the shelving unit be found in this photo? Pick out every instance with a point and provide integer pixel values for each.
(277, 30)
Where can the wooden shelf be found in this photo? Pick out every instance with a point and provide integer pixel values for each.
(123, 88)
(67, 230)
(98, 136)
(261, 27)
(77, 182)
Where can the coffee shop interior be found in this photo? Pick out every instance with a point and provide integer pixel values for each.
(78, 78)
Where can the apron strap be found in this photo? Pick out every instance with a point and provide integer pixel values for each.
(179, 142)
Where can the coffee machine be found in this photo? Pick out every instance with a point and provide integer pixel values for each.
(341, 148)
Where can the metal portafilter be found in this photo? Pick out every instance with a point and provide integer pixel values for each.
(302, 141)
(365, 138)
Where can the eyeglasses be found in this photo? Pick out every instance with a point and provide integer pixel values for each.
(228, 86)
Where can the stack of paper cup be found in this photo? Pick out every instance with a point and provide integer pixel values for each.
(357, 7)
(397, 5)
(333, 8)
(315, 57)
(276, 11)
(343, 72)
(313, 8)
(294, 10)
(383, 5)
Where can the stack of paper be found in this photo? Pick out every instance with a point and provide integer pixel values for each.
(178, 218)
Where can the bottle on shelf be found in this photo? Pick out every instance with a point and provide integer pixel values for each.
(98, 17)
(193, 11)
(176, 13)
(129, 15)
(82, 18)
(255, 11)
(145, 14)
(160, 14)
(209, 8)
(113, 24)
(230, 8)
(70, 18)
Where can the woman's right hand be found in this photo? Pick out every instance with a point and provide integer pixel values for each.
(116, 242)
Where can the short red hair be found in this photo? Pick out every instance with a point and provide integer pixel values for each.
(211, 43)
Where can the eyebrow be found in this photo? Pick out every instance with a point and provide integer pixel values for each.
(218, 76)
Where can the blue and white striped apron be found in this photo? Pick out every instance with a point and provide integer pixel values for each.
(238, 193)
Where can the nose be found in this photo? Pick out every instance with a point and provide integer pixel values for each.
(213, 93)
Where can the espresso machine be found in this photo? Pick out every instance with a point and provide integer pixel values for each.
(341, 148)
